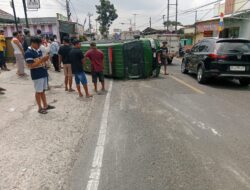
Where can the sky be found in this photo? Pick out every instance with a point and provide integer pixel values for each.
(125, 9)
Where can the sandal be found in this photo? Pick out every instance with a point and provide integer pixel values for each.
(71, 90)
(42, 111)
(89, 96)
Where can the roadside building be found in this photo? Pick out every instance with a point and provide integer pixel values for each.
(236, 21)
(187, 38)
(49, 26)
(7, 18)
(59, 26)
(206, 29)
(129, 35)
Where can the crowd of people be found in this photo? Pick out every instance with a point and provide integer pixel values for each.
(39, 52)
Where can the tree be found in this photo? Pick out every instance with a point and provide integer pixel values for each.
(168, 23)
(107, 14)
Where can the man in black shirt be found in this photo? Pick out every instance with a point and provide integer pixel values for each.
(26, 42)
(63, 57)
(162, 56)
(76, 59)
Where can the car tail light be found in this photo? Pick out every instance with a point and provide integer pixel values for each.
(215, 56)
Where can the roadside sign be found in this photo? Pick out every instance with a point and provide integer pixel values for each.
(221, 23)
(33, 4)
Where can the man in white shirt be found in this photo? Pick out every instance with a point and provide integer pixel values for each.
(54, 48)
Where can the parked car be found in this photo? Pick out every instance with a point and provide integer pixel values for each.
(225, 58)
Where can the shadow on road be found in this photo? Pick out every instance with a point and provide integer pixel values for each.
(226, 84)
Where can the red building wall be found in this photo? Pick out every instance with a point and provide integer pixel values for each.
(229, 7)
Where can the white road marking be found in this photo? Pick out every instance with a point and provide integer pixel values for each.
(239, 175)
(95, 172)
(187, 85)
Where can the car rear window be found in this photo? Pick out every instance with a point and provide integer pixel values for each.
(233, 47)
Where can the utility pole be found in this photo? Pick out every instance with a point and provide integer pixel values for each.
(163, 17)
(195, 28)
(96, 26)
(130, 23)
(90, 15)
(176, 14)
(25, 13)
(135, 20)
(14, 12)
(176, 17)
(150, 22)
(168, 15)
(68, 10)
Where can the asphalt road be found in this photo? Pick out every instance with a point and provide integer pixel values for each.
(167, 134)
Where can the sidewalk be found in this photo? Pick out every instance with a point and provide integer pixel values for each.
(37, 151)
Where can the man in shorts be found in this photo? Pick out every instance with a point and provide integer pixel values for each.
(162, 56)
(76, 59)
(36, 63)
(96, 58)
(63, 58)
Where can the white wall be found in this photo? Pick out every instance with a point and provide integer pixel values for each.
(245, 29)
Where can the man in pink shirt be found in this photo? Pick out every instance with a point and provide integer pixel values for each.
(96, 58)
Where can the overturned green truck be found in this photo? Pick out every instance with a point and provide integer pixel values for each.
(129, 59)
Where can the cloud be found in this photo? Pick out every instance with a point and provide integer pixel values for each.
(125, 9)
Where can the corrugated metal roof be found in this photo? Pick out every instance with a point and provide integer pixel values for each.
(43, 20)
(233, 15)
(4, 16)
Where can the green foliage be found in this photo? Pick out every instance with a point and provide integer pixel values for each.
(107, 14)
(168, 23)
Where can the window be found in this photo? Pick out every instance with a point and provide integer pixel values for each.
(233, 47)
(195, 48)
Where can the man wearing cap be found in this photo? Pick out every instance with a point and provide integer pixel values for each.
(76, 59)
(36, 63)
(96, 58)
(162, 56)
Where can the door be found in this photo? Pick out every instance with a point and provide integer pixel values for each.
(134, 59)
(193, 57)
(201, 50)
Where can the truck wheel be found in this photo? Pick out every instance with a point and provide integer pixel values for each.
(244, 82)
(201, 75)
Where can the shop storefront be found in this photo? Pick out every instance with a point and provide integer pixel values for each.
(206, 29)
(235, 26)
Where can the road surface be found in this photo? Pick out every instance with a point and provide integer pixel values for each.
(167, 134)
